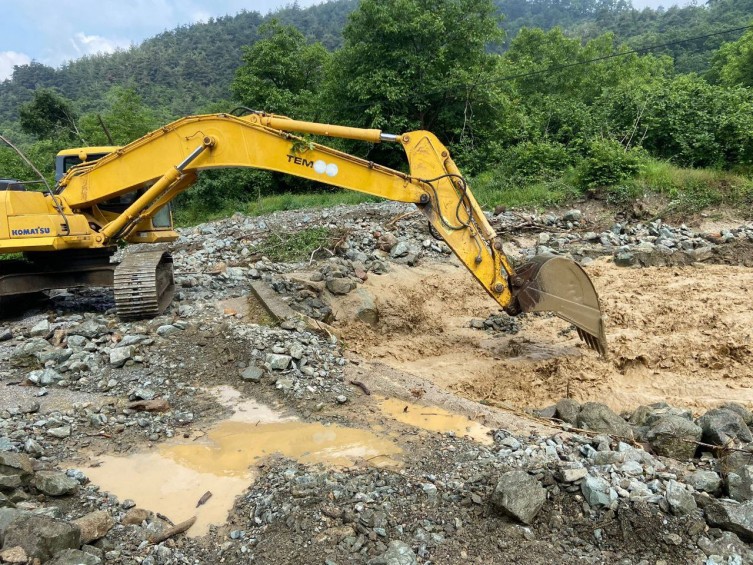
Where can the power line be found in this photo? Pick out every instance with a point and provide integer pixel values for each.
(555, 68)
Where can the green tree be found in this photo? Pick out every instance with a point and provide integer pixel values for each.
(127, 118)
(733, 63)
(48, 115)
(419, 64)
(281, 73)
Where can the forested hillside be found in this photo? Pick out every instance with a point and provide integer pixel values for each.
(187, 69)
(539, 100)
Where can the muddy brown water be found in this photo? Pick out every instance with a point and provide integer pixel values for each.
(173, 477)
(682, 335)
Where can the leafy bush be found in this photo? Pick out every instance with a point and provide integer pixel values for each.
(535, 161)
(607, 164)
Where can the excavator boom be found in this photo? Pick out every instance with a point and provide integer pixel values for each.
(119, 197)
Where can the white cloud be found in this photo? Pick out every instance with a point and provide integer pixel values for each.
(10, 58)
(93, 44)
(200, 16)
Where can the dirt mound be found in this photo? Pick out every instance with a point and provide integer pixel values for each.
(680, 335)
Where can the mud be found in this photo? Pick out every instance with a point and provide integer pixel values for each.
(681, 335)
(173, 477)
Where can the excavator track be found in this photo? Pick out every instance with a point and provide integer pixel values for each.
(144, 285)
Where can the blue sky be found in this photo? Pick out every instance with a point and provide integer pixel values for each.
(55, 31)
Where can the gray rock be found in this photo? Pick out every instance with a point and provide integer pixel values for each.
(54, 483)
(572, 216)
(41, 329)
(624, 259)
(120, 355)
(60, 432)
(55, 355)
(340, 286)
(342, 399)
(398, 553)
(90, 329)
(732, 516)
(74, 557)
(15, 469)
(166, 330)
(252, 374)
(296, 351)
(6, 444)
(41, 536)
(519, 495)
(567, 410)
(672, 435)
(740, 483)
(278, 362)
(401, 249)
(597, 491)
(600, 418)
(722, 425)
(741, 410)
(704, 481)
(6, 334)
(680, 501)
(366, 310)
(734, 461)
(726, 546)
(132, 339)
(44, 377)
(8, 515)
(571, 474)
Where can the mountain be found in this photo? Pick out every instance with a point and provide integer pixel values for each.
(190, 68)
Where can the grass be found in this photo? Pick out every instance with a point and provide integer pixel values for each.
(300, 245)
(687, 191)
(491, 191)
(693, 190)
(192, 215)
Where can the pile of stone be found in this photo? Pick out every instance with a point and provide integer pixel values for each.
(30, 530)
(497, 323)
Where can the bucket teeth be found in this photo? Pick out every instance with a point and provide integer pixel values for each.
(550, 283)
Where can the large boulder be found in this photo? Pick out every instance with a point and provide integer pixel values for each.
(567, 410)
(94, 525)
(732, 516)
(704, 481)
(41, 536)
(519, 495)
(740, 483)
(674, 436)
(722, 425)
(54, 483)
(15, 469)
(7, 516)
(600, 418)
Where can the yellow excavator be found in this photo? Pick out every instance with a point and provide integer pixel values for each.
(109, 195)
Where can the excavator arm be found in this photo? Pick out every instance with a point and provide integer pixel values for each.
(165, 162)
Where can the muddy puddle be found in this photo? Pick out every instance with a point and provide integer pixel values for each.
(175, 476)
(434, 419)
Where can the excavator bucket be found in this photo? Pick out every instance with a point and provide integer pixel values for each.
(550, 283)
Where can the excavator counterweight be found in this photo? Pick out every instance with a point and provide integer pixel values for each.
(123, 194)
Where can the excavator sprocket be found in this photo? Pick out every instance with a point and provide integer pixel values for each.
(144, 285)
(550, 283)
